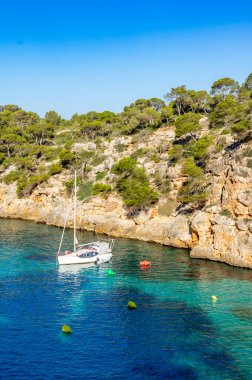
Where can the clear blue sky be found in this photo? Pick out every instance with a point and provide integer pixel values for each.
(82, 55)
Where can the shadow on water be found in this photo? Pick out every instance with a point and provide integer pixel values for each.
(177, 338)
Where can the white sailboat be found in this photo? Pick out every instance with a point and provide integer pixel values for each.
(95, 252)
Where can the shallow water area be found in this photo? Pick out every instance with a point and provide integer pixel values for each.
(177, 331)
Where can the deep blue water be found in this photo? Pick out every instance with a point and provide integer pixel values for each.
(176, 332)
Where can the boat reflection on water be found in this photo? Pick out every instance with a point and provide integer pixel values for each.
(74, 269)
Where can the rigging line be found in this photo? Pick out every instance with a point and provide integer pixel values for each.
(65, 222)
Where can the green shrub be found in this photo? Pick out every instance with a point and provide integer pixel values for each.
(88, 168)
(97, 160)
(224, 113)
(28, 163)
(100, 175)
(11, 177)
(2, 157)
(226, 131)
(69, 185)
(85, 154)
(126, 164)
(193, 192)
(68, 144)
(186, 198)
(21, 185)
(240, 127)
(199, 148)
(136, 193)
(98, 188)
(133, 184)
(37, 179)
(26, 186)
(85, 190)
(176, 152)
(187, 123)
(55, 169)
(226, 213)
(67, 158)
(141, 152)
(190, 169)
(50, 153)
(120, 148)
(155, 157)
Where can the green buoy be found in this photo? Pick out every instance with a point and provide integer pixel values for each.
(66, 329)
(132, 305)
(110, 272)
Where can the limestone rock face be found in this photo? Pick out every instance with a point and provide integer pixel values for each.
(201, 227)
(91, 146)
(223, 230)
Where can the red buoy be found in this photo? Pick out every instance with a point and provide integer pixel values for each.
(145, 264)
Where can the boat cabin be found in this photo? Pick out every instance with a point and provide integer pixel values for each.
(85, 255)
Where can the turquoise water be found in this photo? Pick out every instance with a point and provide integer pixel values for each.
(176, 332)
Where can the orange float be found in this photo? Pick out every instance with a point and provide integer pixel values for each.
(145, 264)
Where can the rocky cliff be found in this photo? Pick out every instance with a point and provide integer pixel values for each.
(220, 231)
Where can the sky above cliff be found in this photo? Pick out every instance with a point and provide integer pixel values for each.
(77, 56)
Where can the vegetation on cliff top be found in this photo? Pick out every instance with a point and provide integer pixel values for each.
(33, 149)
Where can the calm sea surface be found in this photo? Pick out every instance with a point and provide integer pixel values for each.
(176, 332)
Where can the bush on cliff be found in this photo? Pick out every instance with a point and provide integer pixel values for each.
(11, 177)
(55, 169)
(84, 190)
(101, 188)
(26, 186)
(67, 158)
(191, 169)
(187, 123)
(133, 184)
(193, 191)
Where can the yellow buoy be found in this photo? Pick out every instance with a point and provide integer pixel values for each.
(66, 329)
(132, 305)
(214, 298)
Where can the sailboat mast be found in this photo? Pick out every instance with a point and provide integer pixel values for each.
(75, 201)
